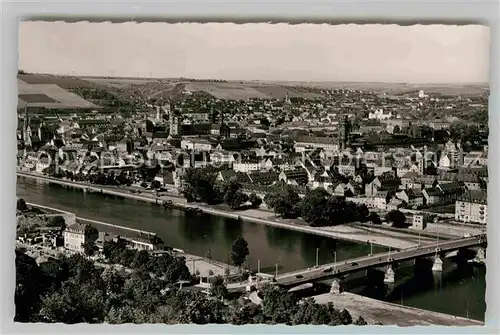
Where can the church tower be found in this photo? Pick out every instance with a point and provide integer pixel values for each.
(287, 106)
(344, 129)
(174, 128)
(26, 128)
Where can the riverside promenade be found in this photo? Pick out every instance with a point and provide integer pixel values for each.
(375, 235)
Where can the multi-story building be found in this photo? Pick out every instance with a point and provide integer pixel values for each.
(148, 242)
(75, 236)
(247, 165)
(472, 206)
(306, 143)
(198, 144)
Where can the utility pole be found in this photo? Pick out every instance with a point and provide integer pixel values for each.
(334, 260)
(317, 254)
(276, 270)
(371, 248)
(258, 266)
(437, 243)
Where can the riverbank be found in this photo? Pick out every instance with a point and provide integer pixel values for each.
(376, 236)
(197, 265)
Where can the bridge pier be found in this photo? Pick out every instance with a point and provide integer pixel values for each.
(336, 287)
(389, 275)
(480, 256)
(438, 264)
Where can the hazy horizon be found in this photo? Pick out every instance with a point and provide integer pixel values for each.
(432, 54)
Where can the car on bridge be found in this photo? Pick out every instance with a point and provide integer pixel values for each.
(330, 269)
(299, 276)
(354, 264)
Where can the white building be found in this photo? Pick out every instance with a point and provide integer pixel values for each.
(306, 143)
(74, 237)
(144, 243)
(379, 115)
(246, 166)
(472, 207)
(223, 157)
(197, 144)
(422, 95)
(476, 158)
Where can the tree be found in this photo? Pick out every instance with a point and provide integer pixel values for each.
(360, 321)
(239, 251)
(396, 130)
(345, 317)
(76, 302)
(285, 201)
(374, 218)
(278, 305)
(313, 207)
(233, 196)
(218, 288)
(21, 205)
(155, 184)
(397, 218)
(255, 200)
(141, 259)
(57, 222)
(91, 235)
(200, 186)
(28, 288)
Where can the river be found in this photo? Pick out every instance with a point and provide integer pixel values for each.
(459, 291)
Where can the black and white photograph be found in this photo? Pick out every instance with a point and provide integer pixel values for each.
(259, 173)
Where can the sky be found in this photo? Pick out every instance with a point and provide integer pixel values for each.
(305, 52)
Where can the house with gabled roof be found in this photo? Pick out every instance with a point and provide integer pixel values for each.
(343, 190)
(294, 177)
(414, 198)
(263, 177)
(386, 182)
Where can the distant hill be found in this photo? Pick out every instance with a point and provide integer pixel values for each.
(172, 88)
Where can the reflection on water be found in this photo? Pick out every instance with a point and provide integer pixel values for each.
(459, 290)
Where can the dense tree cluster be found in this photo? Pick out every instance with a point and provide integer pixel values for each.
(317, 208)
(285, 201)
(397, 218)
(165, 266)
(233, 194)
(281, 307)
(200, 187)
(203, 187)
(72, 290)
